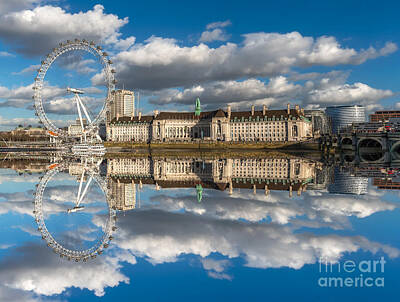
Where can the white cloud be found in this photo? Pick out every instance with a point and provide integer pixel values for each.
(213, 35)
(15, 5)
(323, 90)
(159, 237)
(5, 246)
(162, 63)
(7, 123)
(36, 269)
(36, 31)
(345, 94)
(219, 24)
(6, 54)
(312, 208)
(29, 69)
(55, 100)
(216, 265)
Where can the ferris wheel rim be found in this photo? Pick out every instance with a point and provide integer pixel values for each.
(63, 48)
(58, 248)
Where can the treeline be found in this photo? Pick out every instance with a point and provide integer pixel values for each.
(8, 136)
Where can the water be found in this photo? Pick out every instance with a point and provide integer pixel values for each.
(259, 227)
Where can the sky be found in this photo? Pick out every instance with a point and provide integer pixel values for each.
(311, 53)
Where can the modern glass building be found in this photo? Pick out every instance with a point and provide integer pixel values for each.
(342, 116)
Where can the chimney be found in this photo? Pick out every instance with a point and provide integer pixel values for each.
(265, 108)
(288, 108)
(117, 116)
(229, 109)
(252, 110)
(155, 113)
(302, 111)
(140, 115)
(297, 107)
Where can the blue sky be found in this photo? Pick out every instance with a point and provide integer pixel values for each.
(313, 53)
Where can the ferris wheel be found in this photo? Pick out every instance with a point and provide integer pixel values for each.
(102, 242)
(89, 124)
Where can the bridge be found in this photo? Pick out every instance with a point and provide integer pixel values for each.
(371, 147)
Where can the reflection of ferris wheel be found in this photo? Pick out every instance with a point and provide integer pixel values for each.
(100, 244)
(91, 123)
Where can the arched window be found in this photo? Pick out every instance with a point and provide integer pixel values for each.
(294, 130)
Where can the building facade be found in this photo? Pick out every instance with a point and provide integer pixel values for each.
(122, 104)
(385, 116)
(321, 122)
(76, 129)
(342, 116)
(265, 125)
(130, 129)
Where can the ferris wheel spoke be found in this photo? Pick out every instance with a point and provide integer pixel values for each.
(79, 113)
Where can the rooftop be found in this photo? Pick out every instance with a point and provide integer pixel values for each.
(166, 115)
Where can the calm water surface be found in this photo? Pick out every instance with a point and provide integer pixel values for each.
(261, 228)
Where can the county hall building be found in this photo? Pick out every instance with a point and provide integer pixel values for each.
(288, 125)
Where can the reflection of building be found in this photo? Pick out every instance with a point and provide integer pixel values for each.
(387, 183)
(385, 116)
(129, 166)
(345, 183)
(122, 104)
(244, 126)
(342, 116)
(291, 174)
(123, 195)
(29, 166)
(323, 177)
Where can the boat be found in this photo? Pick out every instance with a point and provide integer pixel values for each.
(87, 149)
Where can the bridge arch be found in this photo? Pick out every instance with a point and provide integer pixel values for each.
(348, 158)
(346, 142)
(370, 150)
(395, 150)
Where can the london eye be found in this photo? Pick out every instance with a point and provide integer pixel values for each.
(88, 122)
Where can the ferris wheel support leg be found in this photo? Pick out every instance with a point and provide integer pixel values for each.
(80, 188)
(84, 109)
(84, 191)
(79, 111)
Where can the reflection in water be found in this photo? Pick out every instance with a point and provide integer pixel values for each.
(87, 171)
(268, 210)
(277, 173)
